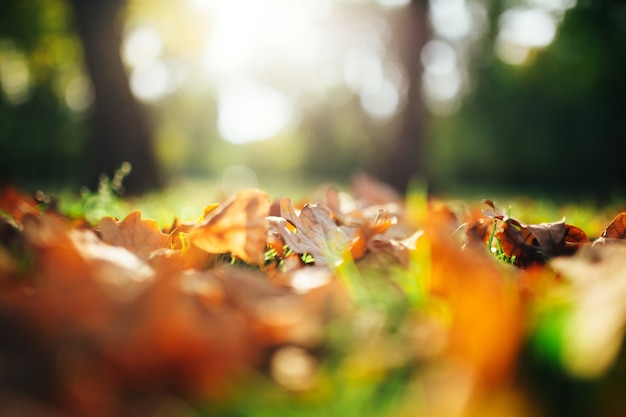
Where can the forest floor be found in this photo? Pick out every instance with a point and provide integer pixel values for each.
(345, 301)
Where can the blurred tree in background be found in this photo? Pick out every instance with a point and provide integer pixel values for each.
(406, 160)
(44, 93)
(521, 95)
(120, 131)
(549, 119)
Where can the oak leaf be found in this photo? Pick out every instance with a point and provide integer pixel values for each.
(313, 231)
(535, 243)
(239, 226)
(142, 237)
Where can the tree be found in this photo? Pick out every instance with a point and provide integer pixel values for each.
(406, 158)
(552, 124)
(40, 137)
(120, 130)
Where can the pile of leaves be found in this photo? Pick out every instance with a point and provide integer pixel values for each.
(365, 303)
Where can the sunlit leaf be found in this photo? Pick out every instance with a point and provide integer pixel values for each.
(238, 226)
(316, 233)
(142, 237)
(617, 228)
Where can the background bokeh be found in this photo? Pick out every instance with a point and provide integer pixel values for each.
(469, 95)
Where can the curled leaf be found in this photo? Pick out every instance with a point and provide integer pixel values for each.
(316, 233)
(238, 226)
(535, 243)
(617, 228)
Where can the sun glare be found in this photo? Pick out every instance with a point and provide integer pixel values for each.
(523, 29)
(248, 40)
(15, 77)
(250, 111)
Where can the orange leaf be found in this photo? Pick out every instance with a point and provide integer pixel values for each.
(15, 204)
(239, 227)
(142, 237)
(486, 327)
(617, 228)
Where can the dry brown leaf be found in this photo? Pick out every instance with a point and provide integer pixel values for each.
(617, 228)
(142, 237)
(373, 192)
(290, 314)
(183, 333)
(316, 233)
(65, 291)
(239, 226)
(123, 274)
(535, 243)
(16, 204)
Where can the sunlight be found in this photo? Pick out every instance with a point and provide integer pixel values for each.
(79, 94)
(450, 18)
(558, 6)
(511, 53)
(441, 91)
(233, 31)
(14, 74)
(260, 39)
(442, 80)
(362, 70)
(438, 57)
(522, 30)
(378, 85)
(150, 82)
(393, 3)
(533, 28)
(382, 103)
(151, 76)
(269, 30)
(250, 111)
(236, 178)
(141, 46)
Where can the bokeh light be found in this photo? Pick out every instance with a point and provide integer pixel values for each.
(14, 74)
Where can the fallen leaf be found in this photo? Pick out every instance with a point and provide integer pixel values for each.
(238, 226)
(142, 237)
(592, 336)
(373, 192)
(316, 233)
(617, 228)
(16, 205)
(534, 243)
(486, 327)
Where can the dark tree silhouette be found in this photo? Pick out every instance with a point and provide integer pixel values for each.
(406, 156)
(120, 130)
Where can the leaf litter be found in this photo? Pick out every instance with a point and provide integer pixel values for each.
(287, 307)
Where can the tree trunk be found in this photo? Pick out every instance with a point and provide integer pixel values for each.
(406, 158)
(120, 130)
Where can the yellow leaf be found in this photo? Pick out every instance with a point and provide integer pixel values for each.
(238, 226)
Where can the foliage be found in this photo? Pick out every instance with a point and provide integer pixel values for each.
(517, 125)
(42, 72)
(366, 303)
(523, 124)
